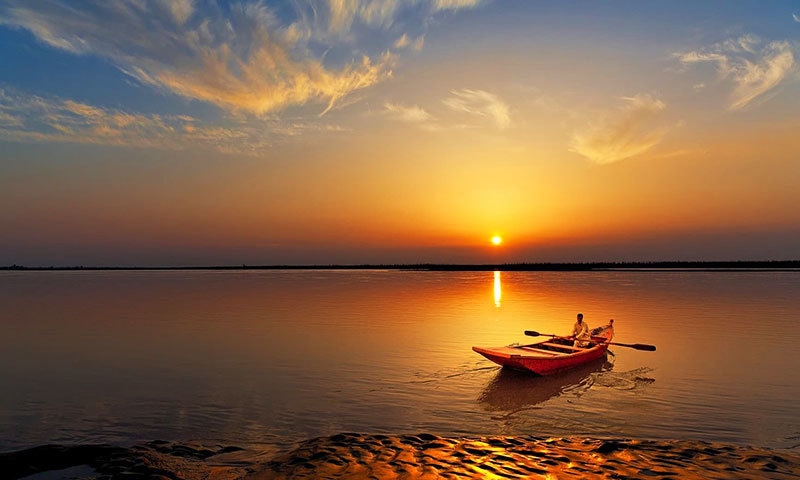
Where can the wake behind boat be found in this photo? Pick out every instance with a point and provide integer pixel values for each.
(553, 355)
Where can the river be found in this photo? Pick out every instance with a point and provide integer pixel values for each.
(278, 356)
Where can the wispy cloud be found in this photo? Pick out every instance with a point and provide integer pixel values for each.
(455, 4)
(240, 57)
(632, 130)
(8, 116)
(480, 103)
(30, 118)
(341, 15)
(405, 42)
(755, 68)
(376, 13)
(180, 10)
(796, 17)
(412, 114)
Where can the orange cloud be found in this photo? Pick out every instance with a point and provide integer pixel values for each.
(238, 60)
(31, 118)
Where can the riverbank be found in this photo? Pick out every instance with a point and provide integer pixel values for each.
(351, 455)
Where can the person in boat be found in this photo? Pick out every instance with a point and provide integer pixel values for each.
(580, 332)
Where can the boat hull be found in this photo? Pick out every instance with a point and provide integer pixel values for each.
(545, 358)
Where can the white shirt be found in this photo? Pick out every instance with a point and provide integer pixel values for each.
(580, 330)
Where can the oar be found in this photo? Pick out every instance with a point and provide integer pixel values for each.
(637, 346)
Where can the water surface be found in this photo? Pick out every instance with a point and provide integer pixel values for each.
(280, 356)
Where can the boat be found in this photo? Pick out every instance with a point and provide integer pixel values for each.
(553, 355)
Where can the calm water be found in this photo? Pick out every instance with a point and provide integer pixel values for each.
(279, 356)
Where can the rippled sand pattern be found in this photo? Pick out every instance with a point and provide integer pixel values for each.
(424, 456)
(430, 456)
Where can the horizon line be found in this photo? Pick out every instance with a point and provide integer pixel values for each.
(516, 266)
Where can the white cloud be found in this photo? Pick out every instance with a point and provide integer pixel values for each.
(343, 20)
(402, 42)
(376, 13)
(342, 14)
(756, 79)
(406, 42)
(412, 114)
(7, 120)
(632, 130)
(8, 115)
(755, 69)
(180, 10)
(796, 17)
(239, 58)
(29, 118)
(476, 104)
(480, 103)
(455, 4)
(257, 64)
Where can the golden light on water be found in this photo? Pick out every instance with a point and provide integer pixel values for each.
(498, 291)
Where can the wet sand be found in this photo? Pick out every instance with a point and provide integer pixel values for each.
(424, 456)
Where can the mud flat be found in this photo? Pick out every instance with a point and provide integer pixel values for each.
(424, 456)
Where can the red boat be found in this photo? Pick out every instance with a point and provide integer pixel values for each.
(553, 355)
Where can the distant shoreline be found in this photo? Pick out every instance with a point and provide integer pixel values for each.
(741, 265)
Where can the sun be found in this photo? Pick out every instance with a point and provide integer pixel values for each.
(497, 240)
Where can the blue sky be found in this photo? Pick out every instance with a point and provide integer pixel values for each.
(201, 131)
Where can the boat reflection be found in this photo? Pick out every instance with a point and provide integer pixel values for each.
(512, 390)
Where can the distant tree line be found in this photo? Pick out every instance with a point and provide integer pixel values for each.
(544, 266)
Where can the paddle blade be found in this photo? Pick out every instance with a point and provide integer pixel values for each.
(641, 346)
(531, 333)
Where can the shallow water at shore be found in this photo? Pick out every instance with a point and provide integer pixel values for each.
(357, 456)
(274, 358)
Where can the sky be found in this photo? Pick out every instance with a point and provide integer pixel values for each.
(308, 132)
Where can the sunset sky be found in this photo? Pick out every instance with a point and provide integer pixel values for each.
(203, 132)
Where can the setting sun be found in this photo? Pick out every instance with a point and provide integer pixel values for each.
(497, 240)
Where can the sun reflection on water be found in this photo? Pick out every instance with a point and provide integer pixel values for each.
(498, 291)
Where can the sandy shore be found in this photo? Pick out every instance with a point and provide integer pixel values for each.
(424, 456)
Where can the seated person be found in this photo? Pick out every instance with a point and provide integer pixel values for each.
(580, 332)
